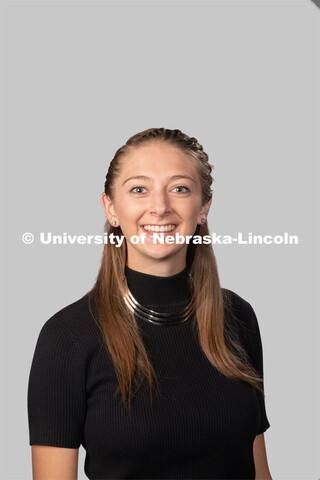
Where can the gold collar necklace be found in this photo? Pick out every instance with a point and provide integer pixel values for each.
(157, 318)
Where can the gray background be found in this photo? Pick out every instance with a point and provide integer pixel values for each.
(79, 78)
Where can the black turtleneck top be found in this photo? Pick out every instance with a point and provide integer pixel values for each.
(203, 424)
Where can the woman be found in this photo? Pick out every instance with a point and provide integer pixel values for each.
(157, 371)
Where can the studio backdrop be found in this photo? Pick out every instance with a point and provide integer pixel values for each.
(81, 77)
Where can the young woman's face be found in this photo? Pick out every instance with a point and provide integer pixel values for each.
(158, 185)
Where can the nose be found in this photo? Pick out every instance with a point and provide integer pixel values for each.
(159, 204)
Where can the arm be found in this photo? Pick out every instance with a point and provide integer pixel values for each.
(56, 402)
(260, 458)
(259, 448)
(54, 463)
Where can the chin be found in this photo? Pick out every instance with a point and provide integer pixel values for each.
(163, 254)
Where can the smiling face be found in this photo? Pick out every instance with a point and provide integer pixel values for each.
(158, 188)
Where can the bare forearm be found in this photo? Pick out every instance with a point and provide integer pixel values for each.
(260, 459)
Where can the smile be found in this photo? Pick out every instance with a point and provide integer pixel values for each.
(159, 228)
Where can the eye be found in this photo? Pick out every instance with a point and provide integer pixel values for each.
(133, 190)
(186, 189)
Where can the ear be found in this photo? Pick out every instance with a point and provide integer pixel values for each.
(204, 211)
(108, 207)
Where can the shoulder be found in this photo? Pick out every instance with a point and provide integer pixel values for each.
(240, 313)
(70, 317)
(235, 303)
(76, 324)
(74, 312)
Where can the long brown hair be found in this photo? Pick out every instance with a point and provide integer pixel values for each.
(118, 324)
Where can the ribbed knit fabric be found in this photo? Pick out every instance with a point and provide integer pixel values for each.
(203, 424)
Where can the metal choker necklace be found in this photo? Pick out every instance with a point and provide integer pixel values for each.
(158, 318)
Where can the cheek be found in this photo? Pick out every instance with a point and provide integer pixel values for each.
(129, 217)
(192, 209)
(128, 211)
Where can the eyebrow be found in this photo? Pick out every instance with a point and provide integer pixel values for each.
(144, 177)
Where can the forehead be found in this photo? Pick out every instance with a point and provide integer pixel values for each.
(156, 156)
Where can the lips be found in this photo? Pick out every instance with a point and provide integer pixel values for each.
(169, 227)
(151, 231)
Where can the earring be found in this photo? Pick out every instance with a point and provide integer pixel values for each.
(203, 219)
(114, 222)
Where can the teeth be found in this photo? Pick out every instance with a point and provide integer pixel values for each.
(157, 228)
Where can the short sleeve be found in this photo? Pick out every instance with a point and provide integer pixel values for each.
(256, 354)
(56, 389)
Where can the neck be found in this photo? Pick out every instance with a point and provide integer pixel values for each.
(155, 290)
(163, 268)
